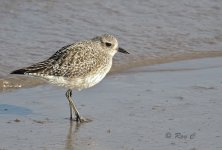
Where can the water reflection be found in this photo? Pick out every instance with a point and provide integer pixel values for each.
(70, 138)
(76, 140)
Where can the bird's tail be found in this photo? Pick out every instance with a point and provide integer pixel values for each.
(34, 69)
(19, 71)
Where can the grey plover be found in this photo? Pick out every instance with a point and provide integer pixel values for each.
(77, 66)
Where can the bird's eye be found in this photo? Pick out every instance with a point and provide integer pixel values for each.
(108, 44)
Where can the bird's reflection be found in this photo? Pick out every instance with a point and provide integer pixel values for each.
(73, 129)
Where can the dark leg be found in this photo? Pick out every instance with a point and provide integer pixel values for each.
(70, 106)
(73, 107)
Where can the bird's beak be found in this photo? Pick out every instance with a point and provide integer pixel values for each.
(122, 50)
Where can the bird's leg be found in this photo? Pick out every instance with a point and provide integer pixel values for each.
(73, 106)
(70, 105)
(70, 108)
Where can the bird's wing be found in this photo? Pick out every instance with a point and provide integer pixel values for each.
(44, 67)
(75, 60)
(81, 60)
(61, 52)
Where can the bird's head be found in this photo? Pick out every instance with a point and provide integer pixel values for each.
(109, 43)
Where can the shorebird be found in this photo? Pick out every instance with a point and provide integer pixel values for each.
(77, 66)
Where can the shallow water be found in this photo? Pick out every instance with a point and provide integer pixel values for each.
(153, 31)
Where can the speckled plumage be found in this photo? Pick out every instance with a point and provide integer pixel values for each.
(74, 65)
(77, 66)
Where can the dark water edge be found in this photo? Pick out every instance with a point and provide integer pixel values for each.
(13, 82)
(149, 60)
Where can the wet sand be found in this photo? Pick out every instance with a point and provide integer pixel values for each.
(168, 106)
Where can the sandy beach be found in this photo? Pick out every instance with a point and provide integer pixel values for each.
(174, 106)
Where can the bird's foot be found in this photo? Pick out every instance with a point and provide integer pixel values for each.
(80, 119)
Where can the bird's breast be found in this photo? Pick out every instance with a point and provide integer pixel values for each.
(81, 82)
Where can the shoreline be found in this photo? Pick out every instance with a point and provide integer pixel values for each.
(14, 82)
